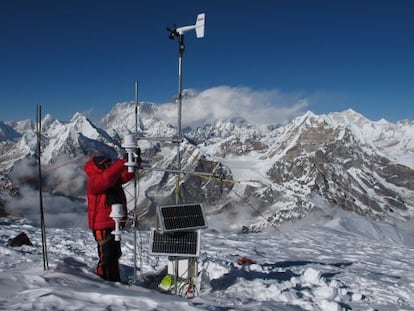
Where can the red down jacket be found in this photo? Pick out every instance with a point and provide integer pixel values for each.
(101, 184)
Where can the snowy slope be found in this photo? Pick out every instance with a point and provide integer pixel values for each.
(348, 263)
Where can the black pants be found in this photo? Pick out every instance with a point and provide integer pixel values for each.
(109, 252)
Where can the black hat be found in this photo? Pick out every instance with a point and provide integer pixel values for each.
(102, 162)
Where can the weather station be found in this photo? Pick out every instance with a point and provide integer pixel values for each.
(177, 234)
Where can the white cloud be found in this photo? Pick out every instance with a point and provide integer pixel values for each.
(261, 107)
(63, 179)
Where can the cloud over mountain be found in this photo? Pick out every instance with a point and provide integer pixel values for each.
(224, 102)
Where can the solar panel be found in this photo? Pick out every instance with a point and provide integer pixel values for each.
(182, 217)
(177, 244)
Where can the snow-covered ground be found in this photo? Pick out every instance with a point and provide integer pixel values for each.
(346, 263)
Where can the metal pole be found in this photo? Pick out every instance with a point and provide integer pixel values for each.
(180, 33)
(42, 217)
(180, 103)
(136, 107)
(179, 112)
(158, 169)
(180, 82)
(135, 190)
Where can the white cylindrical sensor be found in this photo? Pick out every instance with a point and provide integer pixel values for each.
(117, 213)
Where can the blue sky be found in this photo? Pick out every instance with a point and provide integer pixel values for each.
(84, 55)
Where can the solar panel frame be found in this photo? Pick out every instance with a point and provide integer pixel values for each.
(181, 217)
(176, 244)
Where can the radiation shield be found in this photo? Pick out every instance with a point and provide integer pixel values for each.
(130, 145)
(117, 214)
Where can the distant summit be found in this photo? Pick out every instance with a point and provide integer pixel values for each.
(283, 171)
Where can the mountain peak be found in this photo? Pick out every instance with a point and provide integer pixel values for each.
(348, 116)
(78, 117)
(7, 132)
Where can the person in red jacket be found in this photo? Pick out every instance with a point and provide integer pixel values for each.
(104, 188)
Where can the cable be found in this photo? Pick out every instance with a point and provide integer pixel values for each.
(218, 179)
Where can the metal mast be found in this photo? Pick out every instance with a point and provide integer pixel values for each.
(181, 48)
(179, 33)
(135, 190)
(42, 216)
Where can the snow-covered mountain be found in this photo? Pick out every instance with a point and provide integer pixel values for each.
(263, 174)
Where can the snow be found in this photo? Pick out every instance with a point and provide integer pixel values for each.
(247, 169)
(344, 263)
(394, 141)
